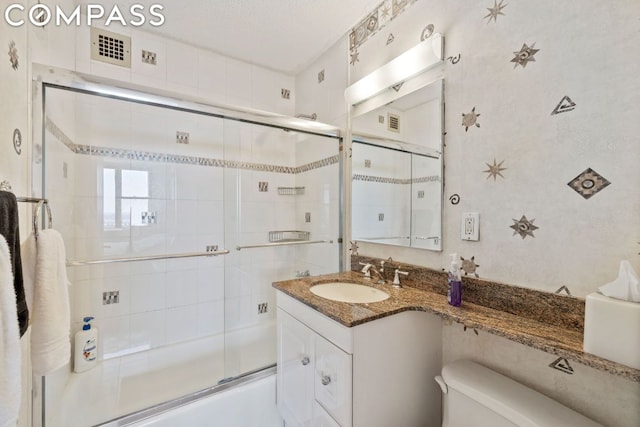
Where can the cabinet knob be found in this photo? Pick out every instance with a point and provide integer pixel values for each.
(326, 379)
(305, 361)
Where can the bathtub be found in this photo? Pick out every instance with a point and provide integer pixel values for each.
(248, 403)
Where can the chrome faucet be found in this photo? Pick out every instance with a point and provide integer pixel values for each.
(381, 279)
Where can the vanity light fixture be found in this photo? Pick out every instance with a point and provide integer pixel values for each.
(414, 61)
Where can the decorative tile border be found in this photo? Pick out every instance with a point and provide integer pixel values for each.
(375, 21)
(388, 180)
(150, 156)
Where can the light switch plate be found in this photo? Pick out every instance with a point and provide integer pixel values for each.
(470, 227)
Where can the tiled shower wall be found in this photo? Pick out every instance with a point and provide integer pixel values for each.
(219, 189)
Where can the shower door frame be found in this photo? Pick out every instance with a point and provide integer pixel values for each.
(51, 77)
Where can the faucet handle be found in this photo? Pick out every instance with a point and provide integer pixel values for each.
(366, 269)
(396, 278)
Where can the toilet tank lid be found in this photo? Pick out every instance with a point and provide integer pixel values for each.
(515, 402)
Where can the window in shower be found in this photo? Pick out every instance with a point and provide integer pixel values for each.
(125, 198)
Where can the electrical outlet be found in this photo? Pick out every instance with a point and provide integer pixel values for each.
(470, 227)
(262, 308)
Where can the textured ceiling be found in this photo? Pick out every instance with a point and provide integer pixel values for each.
(284, 35)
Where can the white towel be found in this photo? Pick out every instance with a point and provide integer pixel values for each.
(47, 294)
(9, 343)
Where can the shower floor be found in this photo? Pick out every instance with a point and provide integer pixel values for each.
(127, 384)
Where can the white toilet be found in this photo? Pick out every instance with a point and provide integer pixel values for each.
(479, 397)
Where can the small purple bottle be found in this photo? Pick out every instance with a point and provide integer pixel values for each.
(454, 293)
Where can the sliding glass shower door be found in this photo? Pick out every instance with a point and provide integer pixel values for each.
(282, 221)
(176, 221)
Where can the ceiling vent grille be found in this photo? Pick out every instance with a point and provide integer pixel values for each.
(393, 122)
(110, 47)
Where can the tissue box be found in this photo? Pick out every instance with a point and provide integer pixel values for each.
(612, 329)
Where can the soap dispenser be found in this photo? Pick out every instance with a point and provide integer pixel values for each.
(86, 347)
(454, 293)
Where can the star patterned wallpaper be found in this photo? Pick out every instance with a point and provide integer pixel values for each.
(539, 132)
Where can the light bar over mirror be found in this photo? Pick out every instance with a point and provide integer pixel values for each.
(414, 61)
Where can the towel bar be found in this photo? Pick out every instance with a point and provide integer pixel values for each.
(147, 258)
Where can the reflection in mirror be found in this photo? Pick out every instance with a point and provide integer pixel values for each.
(381, 194)
(397, 171)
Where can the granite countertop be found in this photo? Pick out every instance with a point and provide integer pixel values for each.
(550, 336)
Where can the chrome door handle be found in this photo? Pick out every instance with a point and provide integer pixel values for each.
(326, 379)
(305, 361)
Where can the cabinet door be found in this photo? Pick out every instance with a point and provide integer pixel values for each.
(332, 380)
(321, 418)
(295, 371)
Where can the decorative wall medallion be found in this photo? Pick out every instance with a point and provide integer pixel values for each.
(588, 183)
(562, 289)
(363, 30)
(470, 119)
(182, 137)
(397, 87)
(321, 76)
(454, 60)
(495, 11)
(398, 6)
(384, 12)
(354, 248)
(454, 199)
(525, 55)
(562, 365)
(524, 227)
(372, 23)
(494, 170)
(111, 297)
(469, 266)
(263, 187)
(390, 39)
(41, 14)
(17, 141)
(565, 105)
(13, 55)
(354, 57)
(426, 32)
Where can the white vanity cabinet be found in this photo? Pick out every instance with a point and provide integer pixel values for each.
(380, 373)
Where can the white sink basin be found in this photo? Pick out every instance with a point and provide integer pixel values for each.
(349, 292)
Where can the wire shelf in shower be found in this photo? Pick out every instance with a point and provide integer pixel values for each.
(288, 236)
(268, 245)
(290, 191)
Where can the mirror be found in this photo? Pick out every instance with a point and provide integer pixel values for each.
(397, 167)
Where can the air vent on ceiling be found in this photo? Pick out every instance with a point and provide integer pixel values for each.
(393, 122)
(110, 47)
